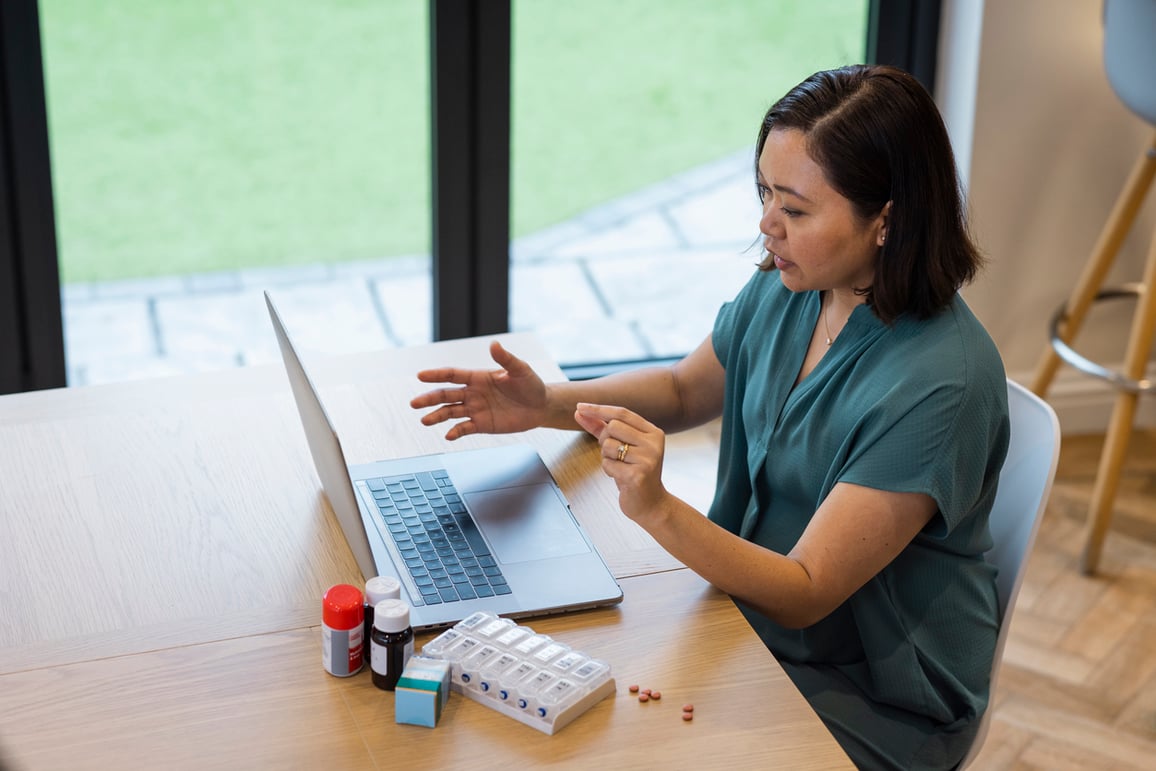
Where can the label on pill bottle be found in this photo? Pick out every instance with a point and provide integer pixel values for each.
(341, 650)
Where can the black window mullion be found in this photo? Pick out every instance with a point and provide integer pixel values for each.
(492, 181)
(905, 33)
(470, 128)
(31, 329)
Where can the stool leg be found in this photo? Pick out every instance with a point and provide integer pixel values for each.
(1096, 269)
(1120, 426)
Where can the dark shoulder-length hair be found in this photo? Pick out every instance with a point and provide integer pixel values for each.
(878, 137)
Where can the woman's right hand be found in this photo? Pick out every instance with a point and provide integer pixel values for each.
(502, 401)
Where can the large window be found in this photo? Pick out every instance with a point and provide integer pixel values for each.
(201, 152)
(205, 151)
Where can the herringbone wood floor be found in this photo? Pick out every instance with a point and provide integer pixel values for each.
(1078, 684)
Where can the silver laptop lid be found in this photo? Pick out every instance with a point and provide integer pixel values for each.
(325, 447)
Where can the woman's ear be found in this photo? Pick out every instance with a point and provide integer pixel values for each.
(881, 225)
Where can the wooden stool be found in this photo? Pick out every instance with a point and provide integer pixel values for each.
(1130, 382)
(1129, 61)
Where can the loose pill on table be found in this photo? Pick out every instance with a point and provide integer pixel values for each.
(646, 691)
(688, 708)
(644, 697)
(688, 716)
(656, 695)
(634, 689)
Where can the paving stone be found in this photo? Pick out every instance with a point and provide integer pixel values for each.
(339, 316)
(218, 281)
(544, 242)
(728, 213)
(676, 282)
(70, 293)
(648, 199)
(266, 278)
(402, 265)
(673, 190)
(648, 231)
(407, 302)
(552, 294)
(740, 163)
(111, 328)
(197, 324)
(137, 287)
(595, 340)
(334, 316)
(675, 327)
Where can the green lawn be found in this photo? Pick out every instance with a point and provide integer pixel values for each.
(210, 135)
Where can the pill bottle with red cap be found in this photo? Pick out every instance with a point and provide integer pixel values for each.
(342, 633)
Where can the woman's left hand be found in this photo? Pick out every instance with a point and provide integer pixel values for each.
(632, 452)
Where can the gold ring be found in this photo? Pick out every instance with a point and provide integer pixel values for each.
(622, 450)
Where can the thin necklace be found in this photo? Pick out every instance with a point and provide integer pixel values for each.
(826, 325)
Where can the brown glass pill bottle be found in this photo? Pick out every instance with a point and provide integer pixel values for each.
(377, 589)
(392, 642)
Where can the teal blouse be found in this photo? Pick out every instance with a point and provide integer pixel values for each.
(900, 671)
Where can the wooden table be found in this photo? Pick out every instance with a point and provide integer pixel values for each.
(164, 546)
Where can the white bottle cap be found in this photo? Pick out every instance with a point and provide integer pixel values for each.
(381, 588)
(391, 616)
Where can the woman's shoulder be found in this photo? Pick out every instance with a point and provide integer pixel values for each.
(763, 286)
(764, 297)
(947, 362)
(953, 340)
(760, 309)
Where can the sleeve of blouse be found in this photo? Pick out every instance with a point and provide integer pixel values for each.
(724, 325)
(731, 316)
(946, 439)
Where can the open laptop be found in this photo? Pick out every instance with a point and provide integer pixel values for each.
(462, 531)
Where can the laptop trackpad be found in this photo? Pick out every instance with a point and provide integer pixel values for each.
(526, 523)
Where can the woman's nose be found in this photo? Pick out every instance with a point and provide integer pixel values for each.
(770, 224)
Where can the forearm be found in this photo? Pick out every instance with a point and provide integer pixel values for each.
(783, 587)
(776, 585)
(651, 392)
(856, 532)
(675, 398)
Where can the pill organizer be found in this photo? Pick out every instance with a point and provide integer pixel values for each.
(513, 670)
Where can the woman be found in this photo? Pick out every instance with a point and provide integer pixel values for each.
(864, 414)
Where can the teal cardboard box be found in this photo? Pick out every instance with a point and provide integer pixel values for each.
(422, 691)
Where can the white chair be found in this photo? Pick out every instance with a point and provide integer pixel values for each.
(1024, 485)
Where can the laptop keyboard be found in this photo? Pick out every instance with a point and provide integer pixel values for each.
(442, 548)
